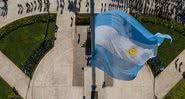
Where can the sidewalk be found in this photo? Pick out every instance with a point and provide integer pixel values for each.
(167, 79)
(13, 75)
(53, 77)
(139, 88)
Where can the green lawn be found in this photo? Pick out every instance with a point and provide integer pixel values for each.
(168, 52)
(178, 92)
(21, 41)
(5, 89)
(19, 44)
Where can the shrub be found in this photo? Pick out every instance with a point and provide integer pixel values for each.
(37, 55)
(82, 19)
(5, 30)
(164, 22)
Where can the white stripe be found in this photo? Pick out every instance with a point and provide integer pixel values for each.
(118, 45)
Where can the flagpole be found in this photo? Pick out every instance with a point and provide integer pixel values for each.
(92, 27)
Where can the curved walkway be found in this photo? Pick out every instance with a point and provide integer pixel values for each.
(53, 77)
(13, 11)
(8, 70)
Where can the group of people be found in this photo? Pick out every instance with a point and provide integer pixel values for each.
(113, 6)
(87, 5)
(178, 65)
(165, 9)
(162, 8)
(73, 6)
(60, 4)
(21, 9)
(169, 9)
(181, 11)
(36, 5)
(3, 8)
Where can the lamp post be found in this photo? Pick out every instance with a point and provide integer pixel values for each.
(92, 27)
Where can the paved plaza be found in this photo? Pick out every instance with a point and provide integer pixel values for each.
(63, 73)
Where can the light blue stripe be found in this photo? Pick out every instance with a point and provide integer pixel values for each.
(121, 20)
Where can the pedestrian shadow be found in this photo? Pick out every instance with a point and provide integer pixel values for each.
(178, 66)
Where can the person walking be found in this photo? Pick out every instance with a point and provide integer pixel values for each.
(180, 66)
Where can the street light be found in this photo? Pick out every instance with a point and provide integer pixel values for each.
(92, 27)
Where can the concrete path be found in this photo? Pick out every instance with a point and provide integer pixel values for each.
(139, 88)
(167, 79)
(13, 11)
(53, 77)
(13, 75)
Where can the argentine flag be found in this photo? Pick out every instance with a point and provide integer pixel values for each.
(123, 45)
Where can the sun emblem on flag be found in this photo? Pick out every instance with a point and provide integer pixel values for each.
(132, 51)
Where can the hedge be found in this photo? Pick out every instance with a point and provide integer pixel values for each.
(82, 19)
(172, 24)
(37, 55)
(23, 22)
(32, 61)
(156, 63)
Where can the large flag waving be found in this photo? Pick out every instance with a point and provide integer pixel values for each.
(123, 45)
